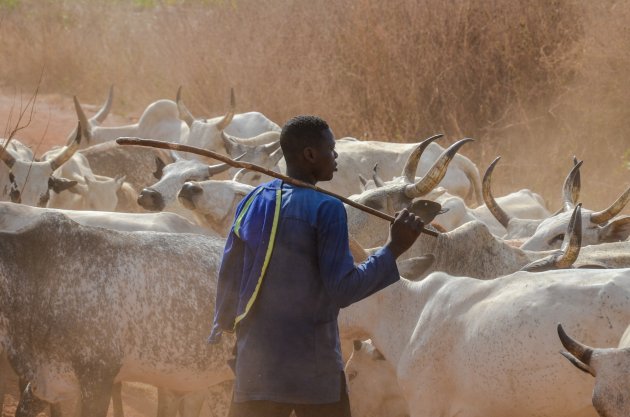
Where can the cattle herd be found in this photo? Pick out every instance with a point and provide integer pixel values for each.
(109, 257)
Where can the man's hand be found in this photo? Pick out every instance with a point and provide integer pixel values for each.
(403, 232)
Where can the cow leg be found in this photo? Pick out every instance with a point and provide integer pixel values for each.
(219, 398)
(117, 400)
(190, 405)
(168, 402)
(5, 372)
(29, 405)
(96, 390)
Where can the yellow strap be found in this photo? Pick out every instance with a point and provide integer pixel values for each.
(237, 224)
(272, 238)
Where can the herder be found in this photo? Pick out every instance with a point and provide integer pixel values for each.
(286, 272)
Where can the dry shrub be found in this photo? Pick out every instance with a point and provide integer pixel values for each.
(533, 81)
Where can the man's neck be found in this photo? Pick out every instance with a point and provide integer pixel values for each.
(301, 175)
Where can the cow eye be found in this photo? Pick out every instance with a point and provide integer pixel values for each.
(557, 238)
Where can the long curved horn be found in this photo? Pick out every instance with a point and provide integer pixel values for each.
(363, 182)
(411, 166)
(570, 250)
(184, 113)
(275, 156)
(83, 122)
(569, 190)
(378, 181)
(219, 168)
(227, 119)
(577, 184)
(271, 147)
(436, 172)
(579, 351)
(100, 116)
(491, 203)
(572, 239)
(616, 207)
(6, 157)
(69, 150)
(262, 139)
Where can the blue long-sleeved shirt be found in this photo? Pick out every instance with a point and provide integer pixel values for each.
(288, 346)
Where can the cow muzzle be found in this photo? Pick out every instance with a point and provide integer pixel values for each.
(151, 200)
(187, 194)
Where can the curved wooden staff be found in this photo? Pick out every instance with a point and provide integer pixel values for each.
(253, 167)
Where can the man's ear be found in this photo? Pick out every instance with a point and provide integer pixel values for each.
(310, 154)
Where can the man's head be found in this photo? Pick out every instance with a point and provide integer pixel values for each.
(308, 146)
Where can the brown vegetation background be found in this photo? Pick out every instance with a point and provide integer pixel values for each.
(533, 81)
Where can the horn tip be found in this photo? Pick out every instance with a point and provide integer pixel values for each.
(232, 97)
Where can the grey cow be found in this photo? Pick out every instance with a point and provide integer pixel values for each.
(85, 307)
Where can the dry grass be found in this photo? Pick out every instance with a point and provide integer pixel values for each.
(533, 81)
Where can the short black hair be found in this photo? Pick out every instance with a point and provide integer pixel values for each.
(301, 132)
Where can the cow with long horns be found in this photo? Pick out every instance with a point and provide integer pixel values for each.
(160, 120)
(609, 366)
(25, 180)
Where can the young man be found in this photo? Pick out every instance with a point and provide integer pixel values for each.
(286, 272)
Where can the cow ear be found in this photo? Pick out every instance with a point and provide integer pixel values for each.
(79, 189)
(120, 179)
(159, 168)
(377, 355)
(363, 182)
(60, 184)
(616, 230)
(577, 363)
(426, 210)
(415, 268)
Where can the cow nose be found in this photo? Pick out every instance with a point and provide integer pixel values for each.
(151, 200)
(187, 194)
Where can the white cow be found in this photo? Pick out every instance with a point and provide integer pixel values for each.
(250, 129)
(25, 180)
(115, 289)
(91, 192)
(402, 193)
(160, 120)
(601, 226)
(548, 233)
(470, 348)
(213, 202)
(523, 204)
(611, 369)
(161, 196)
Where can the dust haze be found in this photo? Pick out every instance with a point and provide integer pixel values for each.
(535, 82)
